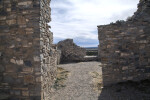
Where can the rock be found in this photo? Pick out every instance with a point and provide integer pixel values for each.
(70, 52)
(11, 22)
(28, 63)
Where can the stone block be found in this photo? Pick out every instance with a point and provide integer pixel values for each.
(11, 68)
(38, 79)
(13, 61)
(124, 67)
(2, 68)
(17, 92)
(8, 9)
(21, 20)
(19, 62)
(24, 3)
(9, 79)
(11, 22)
(25, 93)
(36, 58)
(130, 78)
(29, 79)
(29, 70)
(2, 17)
(28, 63)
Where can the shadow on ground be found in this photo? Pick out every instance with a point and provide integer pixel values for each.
(127, 91)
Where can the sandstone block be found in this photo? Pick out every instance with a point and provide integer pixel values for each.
(29, 70)
(17, 92)
(25, 93)
(29, 79)
(24, 3)
(10, 68)
(13, 61)
(19, 62)
(2, 17)
(28, 63)
(21, 20)
(125, 68)
(38, 79)
(36, 58)
(11, 22)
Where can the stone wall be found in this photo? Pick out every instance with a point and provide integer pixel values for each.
(125, 47)
(48, 51)
(27, 60)
(70, 52)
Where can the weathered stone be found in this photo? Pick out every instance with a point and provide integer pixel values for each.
(13, 61)
(11, 22)
(125, 46)
(23, 23)
(17, 92)
(9, 79)
(10, 68)
(2, 68)
(24, 3)
(28, 63)
(2, 17)
(8, 9)
(29, 70)
(36, 58)
(124, 68)
(21, 20)
(25, 93)
(38, 79)
(12, 46)
(70, 51)
(29, 79)
(19, 62)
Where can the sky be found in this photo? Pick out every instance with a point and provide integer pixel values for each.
(78, 19)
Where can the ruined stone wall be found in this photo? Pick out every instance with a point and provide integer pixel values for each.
(70, 52)
(48, 54)
(125, 47)
(27, 60)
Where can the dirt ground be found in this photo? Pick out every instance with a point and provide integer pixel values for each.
(83, 81)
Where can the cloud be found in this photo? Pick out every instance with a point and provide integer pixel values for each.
(78, 19)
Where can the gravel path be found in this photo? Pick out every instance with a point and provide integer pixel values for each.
(79, 84)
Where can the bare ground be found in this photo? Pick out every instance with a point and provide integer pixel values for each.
(81, 83)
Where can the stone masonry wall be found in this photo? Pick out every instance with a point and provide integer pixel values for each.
(27, 60)
(70, 52)
(125, 47)
(48, 54)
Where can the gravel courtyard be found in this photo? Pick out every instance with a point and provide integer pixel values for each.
(82, 82)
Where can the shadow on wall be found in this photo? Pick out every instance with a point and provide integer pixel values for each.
(127, 91)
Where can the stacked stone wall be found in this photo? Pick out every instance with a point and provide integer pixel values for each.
(48, 52)
(27, 59)
(124, 48)
(70, 52)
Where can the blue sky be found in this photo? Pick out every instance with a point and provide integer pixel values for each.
(78, 19)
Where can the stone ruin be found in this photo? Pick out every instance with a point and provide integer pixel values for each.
(27, 57)
(124, 48)
(70, 52)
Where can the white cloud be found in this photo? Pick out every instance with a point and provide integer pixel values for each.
(79, 18)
